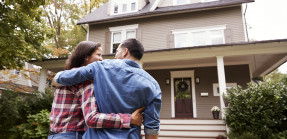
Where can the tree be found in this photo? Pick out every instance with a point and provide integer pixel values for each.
(61, 16)
(21, 32)
(276, 76)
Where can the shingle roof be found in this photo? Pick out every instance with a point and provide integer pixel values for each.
(101, 14)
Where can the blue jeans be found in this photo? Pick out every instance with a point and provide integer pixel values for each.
(67, 135)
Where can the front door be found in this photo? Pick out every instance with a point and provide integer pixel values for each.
(183, 99)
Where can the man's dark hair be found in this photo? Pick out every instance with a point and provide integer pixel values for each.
(135, 48)
(83, 50)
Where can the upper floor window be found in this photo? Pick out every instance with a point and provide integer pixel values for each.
(199, 36)
(124, 6)
(120, 34)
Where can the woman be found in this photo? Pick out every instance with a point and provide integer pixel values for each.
(74, 107)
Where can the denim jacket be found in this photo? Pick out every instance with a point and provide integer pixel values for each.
(120, 86)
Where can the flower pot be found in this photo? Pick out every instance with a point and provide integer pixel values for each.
(215, 114)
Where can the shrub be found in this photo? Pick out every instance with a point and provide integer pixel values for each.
(245, 135)
(15, 107)
(260, 109)
(37, 126)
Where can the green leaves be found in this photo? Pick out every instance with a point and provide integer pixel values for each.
(22, 115)
(259, 109)
(37, 125)
(21, 32)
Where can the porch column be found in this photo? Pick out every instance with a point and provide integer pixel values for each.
(141, 64)
(42, 82)
(221, 82)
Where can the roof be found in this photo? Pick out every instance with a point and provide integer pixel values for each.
(100, 15)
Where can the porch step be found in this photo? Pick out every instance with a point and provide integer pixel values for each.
(193, 129)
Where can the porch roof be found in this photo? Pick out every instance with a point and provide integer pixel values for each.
(262, 56)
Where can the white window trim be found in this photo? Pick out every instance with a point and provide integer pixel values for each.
(123, 30)
(189, 31)
(120, 6)
(207, 28)
(216, 85)
(119, 28)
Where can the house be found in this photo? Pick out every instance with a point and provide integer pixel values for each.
(20, 80)
(195, 49)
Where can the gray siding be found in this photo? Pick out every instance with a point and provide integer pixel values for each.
(208, 76)
(155, 31)
(160, 76)
(97, 34)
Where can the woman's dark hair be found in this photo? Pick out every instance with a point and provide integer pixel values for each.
(83, 49)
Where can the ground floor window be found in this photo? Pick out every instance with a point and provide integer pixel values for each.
(216, 88)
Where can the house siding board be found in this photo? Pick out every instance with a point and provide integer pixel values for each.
(160, 76)
(155, 30)
(161, 26)
(208, 76)
(98, 34)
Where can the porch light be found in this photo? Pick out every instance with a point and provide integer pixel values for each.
(167, 81)
(197, 80)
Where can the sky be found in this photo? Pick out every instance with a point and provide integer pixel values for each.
(267, 20)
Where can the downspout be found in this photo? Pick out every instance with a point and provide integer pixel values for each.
(84, 28)
(246, 23)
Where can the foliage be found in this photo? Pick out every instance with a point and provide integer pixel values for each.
(37, 126)
(21, 32)
(276, 76)
(16, 106)
(61, 16)
(261, 109)
(245, 135)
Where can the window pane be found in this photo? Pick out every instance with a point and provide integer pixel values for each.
(182, 88)
(199, 38)
(216, 36)
(125, 8)
(117, 37)
(133, 6)
(131, 34)
(181, 40)
(116, 8)
(115, 46)
(178, 2)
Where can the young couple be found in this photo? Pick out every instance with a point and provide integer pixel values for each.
(107, 95)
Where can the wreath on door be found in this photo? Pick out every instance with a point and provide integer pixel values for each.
(182, 86)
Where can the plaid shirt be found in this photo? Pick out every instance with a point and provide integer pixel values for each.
(74, 108)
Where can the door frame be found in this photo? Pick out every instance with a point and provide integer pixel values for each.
(183, 74)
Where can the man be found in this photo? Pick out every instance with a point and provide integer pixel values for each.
(121, 86)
